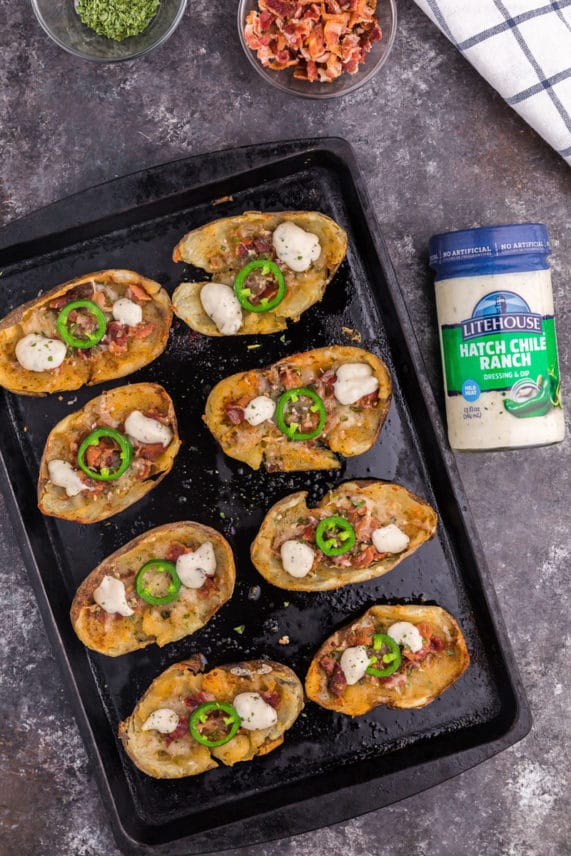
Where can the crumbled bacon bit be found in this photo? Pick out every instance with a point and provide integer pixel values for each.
(320, 40)
(180, 731)
(176, 550)
(271, 697)
(284, 640)
(195, 700)
(234, 414)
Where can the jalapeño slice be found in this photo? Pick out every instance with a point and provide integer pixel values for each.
(89, 338)
(334, 536)
(231, 722)
(243, 293)
(125, 454)
(148, 574)
(389, 654)
(291, 429)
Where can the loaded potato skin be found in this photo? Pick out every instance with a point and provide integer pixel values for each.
(129, 327)
(424, 655)
(139, 441)
(265, 693)
(140, 623)
(385, 524)
(338, 415)
(306, 247)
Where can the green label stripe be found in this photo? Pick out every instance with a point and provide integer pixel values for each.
(498, 360)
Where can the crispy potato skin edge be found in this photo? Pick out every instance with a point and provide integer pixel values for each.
(316, 680)
(84, 595)
(114, 275)
(269, 566)
(279, 671)
(166, 460)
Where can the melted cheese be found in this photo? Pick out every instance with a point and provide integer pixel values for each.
(127, 312)
(147, 430)
(193, 568)
(164, 720)
(62, 474)
(390, 539)
(255, 713)
(354, 380)
(405, 633)
(259, 410)
(296, 247)
(354, 663)
(222, 306)
(37, 353)
(110, 596)
(297, 558)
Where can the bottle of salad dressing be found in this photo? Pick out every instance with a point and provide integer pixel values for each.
(497, 337)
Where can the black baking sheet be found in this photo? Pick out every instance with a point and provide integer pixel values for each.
(330, 767)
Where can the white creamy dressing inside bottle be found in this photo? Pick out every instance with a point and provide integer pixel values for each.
(497, 337)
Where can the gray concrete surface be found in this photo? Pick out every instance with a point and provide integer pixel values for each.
(440, 150)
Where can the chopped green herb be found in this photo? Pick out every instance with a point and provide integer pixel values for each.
(450, 653)
(282, 338)
(117, 19)
(240, 629)
(222, 515)
(286, 602)
(253, 347)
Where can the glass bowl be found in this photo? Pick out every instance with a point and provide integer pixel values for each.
(284, 80)
(62, 23)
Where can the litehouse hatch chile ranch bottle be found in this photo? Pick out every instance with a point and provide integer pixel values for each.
(497, 337)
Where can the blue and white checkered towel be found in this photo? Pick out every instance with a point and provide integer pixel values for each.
(523, 49)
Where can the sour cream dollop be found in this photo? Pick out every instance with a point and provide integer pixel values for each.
(110, 596)
(164, 720)
(193, 568)
(259, 410)
(222, 306)
(147, 430)
(390, 539)
(297, 558)
(37, 353)
(296, 247)
(62, 474)
(405, 633)
(254, 712)
(354, 663)
(127, 312)
(353, 381)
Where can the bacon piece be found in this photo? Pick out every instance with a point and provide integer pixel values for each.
(180, 731)
(195, 700)
(425, 631)
(280, 8)
(437, 644)
(337, 681)
(137, 294)
(208, 588)
(141, 331)
(149, 451)
(234, 414)
(175, 550)
(271, 697)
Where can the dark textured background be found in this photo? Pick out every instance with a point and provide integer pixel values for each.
(440, 151)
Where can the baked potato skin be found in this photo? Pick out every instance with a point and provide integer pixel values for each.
(189, 758)
(201, 248)
(109, 409)
(389, 501)
(353, 434)
(434, 675)
(76, 371)
(114, 635)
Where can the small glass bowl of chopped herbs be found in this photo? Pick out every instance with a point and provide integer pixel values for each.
(109, 30)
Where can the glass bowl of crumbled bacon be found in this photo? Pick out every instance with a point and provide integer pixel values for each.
(317, 48)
